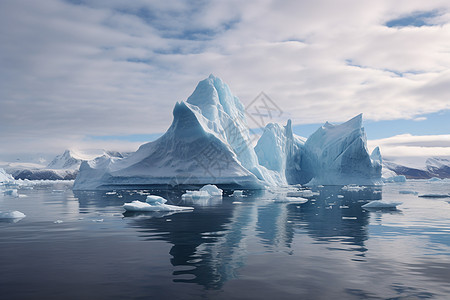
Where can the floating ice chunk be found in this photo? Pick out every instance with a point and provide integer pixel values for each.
(435, 195)
(195, 195)
(397, 178)
(408, 192)
(352, 188)
(12, 215)
(152, 199)
(205, 192)
(97, 220)
(302, 193)
(434, 179)
(157, 205)
(340, 196)
(110, 193)
(238, 193)
(296, 200)
(349, 218)
(58, 221)
(11, 193)
(212, 190)
(379, 204)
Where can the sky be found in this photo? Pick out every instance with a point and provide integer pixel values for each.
(107, 73)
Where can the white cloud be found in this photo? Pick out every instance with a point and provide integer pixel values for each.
(412, 150)
(118, 67)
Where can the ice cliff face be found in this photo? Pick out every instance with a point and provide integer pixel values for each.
(337, 154)
(278, 150)
(206, 143)
(209, 142)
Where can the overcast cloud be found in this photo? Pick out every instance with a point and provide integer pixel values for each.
(74, 69)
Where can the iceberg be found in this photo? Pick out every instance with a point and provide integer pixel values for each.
(397, 178)
(153, 203)
(338, 155)
(209, 142)
(379, 204)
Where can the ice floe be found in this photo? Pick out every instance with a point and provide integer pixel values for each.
(153, 203)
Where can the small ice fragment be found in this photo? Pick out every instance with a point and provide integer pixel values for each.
(343, 207)
(302, 193)
(212, 190)
(295, 200)
(154, 203)
(381, 204)
(110, 193)
(352, 188)
(434, 179)
(237, 193)
(349, 218)
(11, 192)
(12, 215)
(58, 221)
(340, 196)
(98, 220)
(206, 191)
(237, 202)
(397, 178)
(408, 192)
(152, 199)
(435, 195)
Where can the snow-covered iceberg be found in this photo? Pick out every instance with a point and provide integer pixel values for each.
(5, 178)
(338, 155)
(153, 203)
(209, 142)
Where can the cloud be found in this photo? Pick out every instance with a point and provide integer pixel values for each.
(72, 69)
(412, 150)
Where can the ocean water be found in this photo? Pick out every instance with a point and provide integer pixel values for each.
(81, 245)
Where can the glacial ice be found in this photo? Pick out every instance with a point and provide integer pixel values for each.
(12, 215)
(338, 155)
(205, 192)
(238, 194)
(435, 196)
(5, 178)
(379, 204)
(153, 203)
(397, 178)
(209, 142)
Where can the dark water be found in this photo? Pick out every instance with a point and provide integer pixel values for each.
(327, 248)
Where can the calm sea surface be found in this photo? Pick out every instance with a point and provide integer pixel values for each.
(80, 245)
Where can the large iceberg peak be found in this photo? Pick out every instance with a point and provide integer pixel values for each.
(213, 97)
(337, 154)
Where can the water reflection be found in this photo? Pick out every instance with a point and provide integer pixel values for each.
(210, 244)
